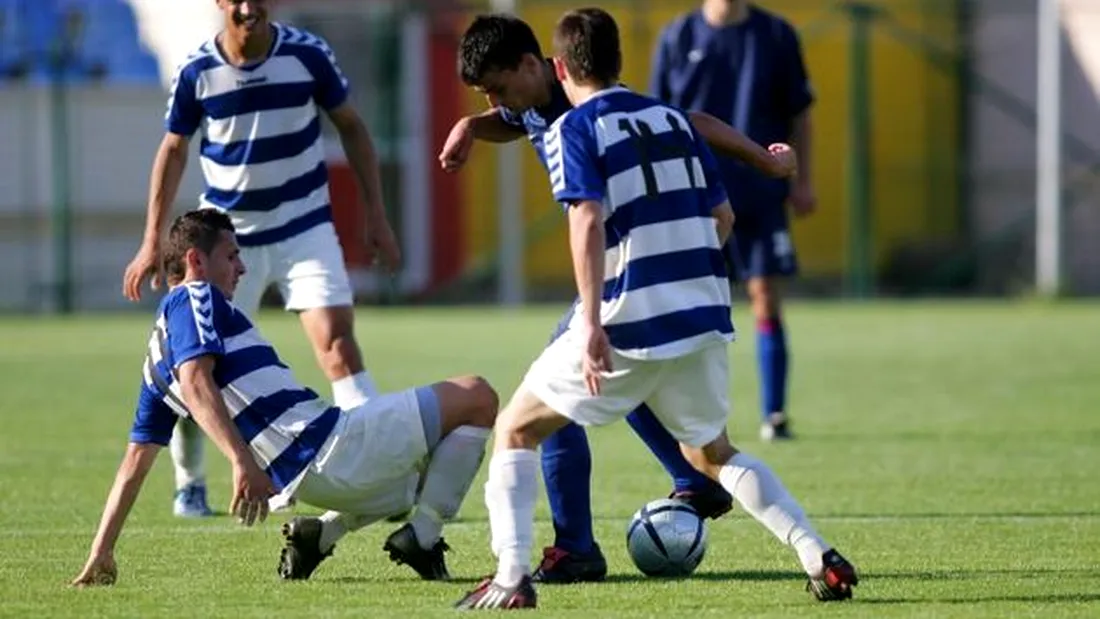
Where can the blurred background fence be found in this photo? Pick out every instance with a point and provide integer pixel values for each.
(924, 152)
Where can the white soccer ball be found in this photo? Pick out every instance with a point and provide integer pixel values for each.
(666, 539)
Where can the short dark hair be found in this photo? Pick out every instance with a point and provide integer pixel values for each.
(199, 229)
(494, 42)
(587, 41)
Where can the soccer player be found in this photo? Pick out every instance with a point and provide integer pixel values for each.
(744, 65)
(500, 56)
(647, 220)
(206, 361)
(254, 91)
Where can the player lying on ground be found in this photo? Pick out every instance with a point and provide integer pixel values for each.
(207, 361)
(255, 92)
(500, 56)
(647, 220)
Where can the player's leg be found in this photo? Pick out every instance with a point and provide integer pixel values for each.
(371, 473)
(708, 497)
(465, 409)
(768, 255)
(552, 393)
(567, 474)
(703, 379)
(188, 443)
(315, 284)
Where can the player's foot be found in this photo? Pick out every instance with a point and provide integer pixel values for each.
(836, 581)
(713, 503)
(190, 502)
(776, 428)
(561, 567)
(302, 553)
(490, 595)
(404, 548)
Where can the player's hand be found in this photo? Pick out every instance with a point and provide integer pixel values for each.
(597, 358)
(784, 162)
(382, 245)
(251, 490)
(100, 570)
(146, 264)
(456, 150)
(802, 199)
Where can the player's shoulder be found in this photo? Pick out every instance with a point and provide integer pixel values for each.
(681, 26)
(771, 22)
(195, 297)
(295, 40)
(198, 60)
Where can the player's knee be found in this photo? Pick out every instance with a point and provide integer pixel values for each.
(483, 401)
(764, 295)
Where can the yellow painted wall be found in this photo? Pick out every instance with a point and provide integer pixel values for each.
(915, 150)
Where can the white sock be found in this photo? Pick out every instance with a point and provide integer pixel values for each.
(763, 496)
(451, 470)
(186, 447)
(335, 525)
(351, 391)
(510, 495)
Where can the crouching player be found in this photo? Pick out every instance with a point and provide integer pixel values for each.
(647, 220)
(207, 361)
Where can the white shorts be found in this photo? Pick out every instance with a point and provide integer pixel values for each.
(689, 394)
(371, 465)
(309, 270)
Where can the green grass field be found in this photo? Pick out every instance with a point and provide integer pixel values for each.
(949, 450)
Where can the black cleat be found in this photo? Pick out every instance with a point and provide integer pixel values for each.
(302, 553)
(489, 595)
(404, 548)
(713, 503)
(561, 567)
(837, 579)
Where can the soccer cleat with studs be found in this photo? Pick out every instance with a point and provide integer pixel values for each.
(837, 579)
(404, 549)
(302, 553)
(489, 596)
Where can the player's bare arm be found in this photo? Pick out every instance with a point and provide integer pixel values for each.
(100, 569)
(776, 160)
(487, 126)
(164, 184)
(586, 241)
(363, 159)
(723, 221)
(803, 201)
(251, 486)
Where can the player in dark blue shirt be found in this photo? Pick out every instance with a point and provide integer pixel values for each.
(744, 65)
(501, 57)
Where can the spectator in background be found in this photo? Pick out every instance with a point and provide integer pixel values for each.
(744, 65)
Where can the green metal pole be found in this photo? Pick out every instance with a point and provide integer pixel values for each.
(61, 211)
(860, 278)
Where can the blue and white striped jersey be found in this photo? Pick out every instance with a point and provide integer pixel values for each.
(284, 423)
(666, 292)
(261, 151)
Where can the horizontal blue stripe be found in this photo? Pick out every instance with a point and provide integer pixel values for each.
(259, 98)
(244, 361)
(264, 200)
(290, 229)
(254, 418)
(303, 449)
(263, 150)
(669, 328)
(667, 268)
(673, 206)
